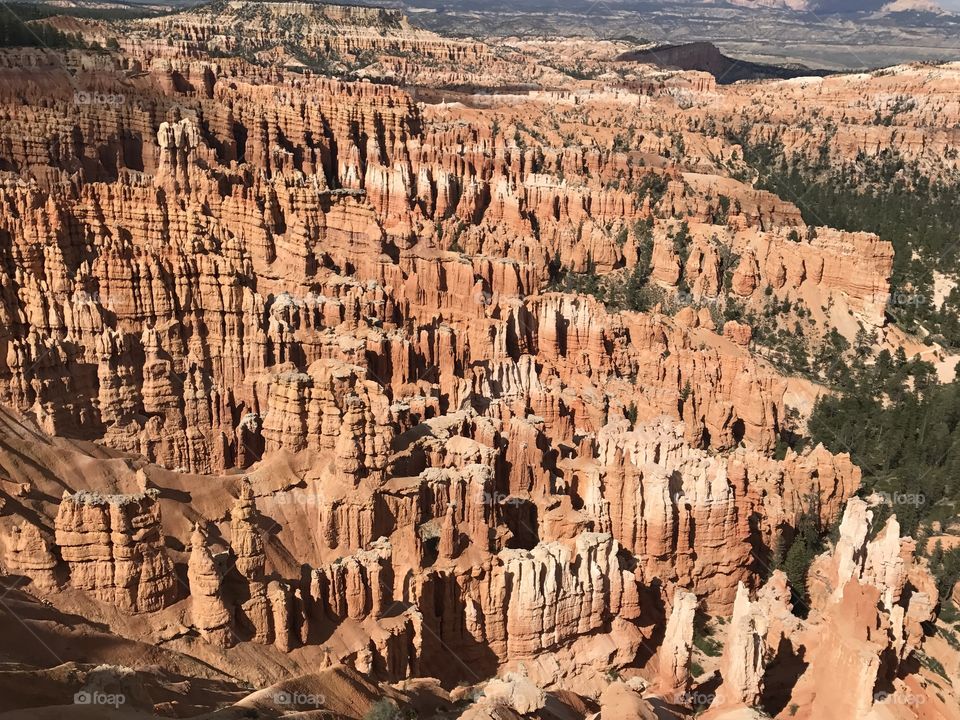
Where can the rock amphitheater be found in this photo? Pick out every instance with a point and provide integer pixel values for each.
(293, 422)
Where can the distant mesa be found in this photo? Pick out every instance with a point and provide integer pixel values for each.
(706, 57)
(914, 6)
(795, 5)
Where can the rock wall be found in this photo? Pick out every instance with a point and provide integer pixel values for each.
(113, 546)
(854, 650)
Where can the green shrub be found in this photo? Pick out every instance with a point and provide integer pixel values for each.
(382, 710)
(706, 643)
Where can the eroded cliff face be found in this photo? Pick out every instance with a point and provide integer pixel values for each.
(909, 109)
(167, 300)
(854, 653)
(113, 548)
(320, 326)
(203, 313)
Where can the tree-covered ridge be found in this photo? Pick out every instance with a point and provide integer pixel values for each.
(21, 23)
(903, 429)
(885, 195)
(15, 32)
(899, 424)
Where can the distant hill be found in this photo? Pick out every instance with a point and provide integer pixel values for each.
(707, 57)
(839, 6)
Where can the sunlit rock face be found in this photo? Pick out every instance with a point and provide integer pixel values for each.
(296, 379)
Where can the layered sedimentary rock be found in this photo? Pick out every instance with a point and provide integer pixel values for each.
(113, 547)
(875, 597)
(256, 612)
(29, 554)
(356, 587)
(744, 654)
(331, 408)
(903, 109)
(330, 326)
(686, 513)
(208, 610)
(352, 198)
(523, 604)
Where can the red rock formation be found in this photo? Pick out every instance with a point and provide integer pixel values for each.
(674, 670)
(113, 546)
(256, 612)
(209, 612)
(29, 554)
(684, 512)
(356, 587)
(556, 593)
(745, 655)
(347, 292)
(863, 625)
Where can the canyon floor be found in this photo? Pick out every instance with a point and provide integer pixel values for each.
(350, 370)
